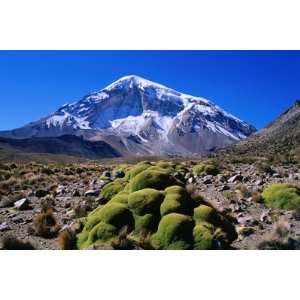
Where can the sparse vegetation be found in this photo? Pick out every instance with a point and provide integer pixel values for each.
(45, 224)
(207, 168)
(282, 195)
(9, 242)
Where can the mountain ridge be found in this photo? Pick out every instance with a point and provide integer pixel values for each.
(142, 117)
(279, 137)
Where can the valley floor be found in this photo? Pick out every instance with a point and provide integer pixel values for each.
(71, 191)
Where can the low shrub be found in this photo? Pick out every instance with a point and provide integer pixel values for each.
(282, 195)
(202, 168)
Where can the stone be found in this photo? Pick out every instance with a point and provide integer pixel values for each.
(92, 193)
(22, 204)
(106, 174)
(100, 200)
(76, 193)
(247, 221)
(188, 175)
(190, 180)
(4, 227)
(259, 182)
(221, 178)
(235, 178)
(94, 181)
(207, 179)
(245, 231)
(41, 193)
(60, 190)
(17, 220)
(224, 188)
(117, 174)
(265, 217)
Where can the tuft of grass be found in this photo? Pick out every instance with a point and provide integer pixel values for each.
(278, 238)
(67, 240)
(282, 195)
(45, 224)
(244, 191)
(122, 242)
(257, 197)
(10, 242)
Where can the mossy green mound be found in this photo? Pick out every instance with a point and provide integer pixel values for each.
(222, 231)
(174, 233)
(154, 204)
(145, 201)
(203, 234)
(282, 195)
(113, 188)
(137, 169)
(121, 197)
(104, 223)
(177, 200)
(152, 179)
(209, 169)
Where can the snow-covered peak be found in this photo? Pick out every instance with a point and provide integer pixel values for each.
(154, 117)
(131, 81)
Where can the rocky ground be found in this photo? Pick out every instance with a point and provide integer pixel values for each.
(73, 190)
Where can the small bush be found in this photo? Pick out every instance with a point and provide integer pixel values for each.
(122, 242)
(257, 197)
(244, 191)
(113, 188)
(45, 224)
(12, 243)
(264, 167)
(67, 240)
(282, 195)
(209, 169)
(152, 179)
(174, 233)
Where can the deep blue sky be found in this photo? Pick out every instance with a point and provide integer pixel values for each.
(256, 86)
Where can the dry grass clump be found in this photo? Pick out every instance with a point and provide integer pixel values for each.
(45, 224)
(194, 193)
(67, 240)
(264, 167)
(10, 242)
(244, 191)
(257, 197)
(122, 242)
(145, 240)
(278, 238)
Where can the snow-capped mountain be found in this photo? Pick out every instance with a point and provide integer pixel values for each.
(140, 117)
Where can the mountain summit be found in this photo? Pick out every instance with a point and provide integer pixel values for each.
(140, 117)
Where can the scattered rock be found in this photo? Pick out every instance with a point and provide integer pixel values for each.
(276, 175)
(235, 178)
(76, 193)
(100, 200)
(92, 193)
(190, 180)
(106, 174)
(224, 188)
(117, 174)
(22, 204)
(60, 190)
(207, 179)
(259, 182)
(41, 193)
(4, 227)
(245, 231)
